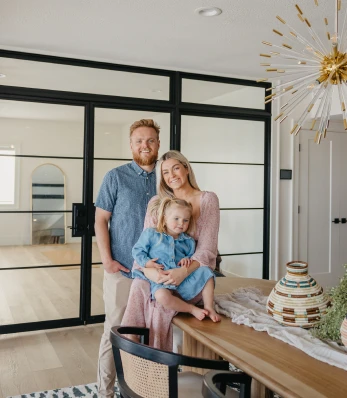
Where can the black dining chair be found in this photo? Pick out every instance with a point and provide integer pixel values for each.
(146, 372)
(217, 383)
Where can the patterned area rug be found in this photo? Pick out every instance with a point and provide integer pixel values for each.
(88, 391)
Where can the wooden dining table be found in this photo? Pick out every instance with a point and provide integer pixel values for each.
(274, 365)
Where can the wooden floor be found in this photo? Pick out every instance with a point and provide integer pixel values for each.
(38, 294)
(44, 360)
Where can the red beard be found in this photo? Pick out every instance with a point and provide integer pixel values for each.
(145, 161)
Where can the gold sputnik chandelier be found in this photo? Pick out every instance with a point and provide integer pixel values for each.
(313, 65)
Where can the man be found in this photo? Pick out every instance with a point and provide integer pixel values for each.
(122, 203)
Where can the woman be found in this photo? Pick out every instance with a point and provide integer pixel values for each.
(175, 178)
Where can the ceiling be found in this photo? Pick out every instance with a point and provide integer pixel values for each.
(157, 33)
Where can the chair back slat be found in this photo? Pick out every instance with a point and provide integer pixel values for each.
(146, 378)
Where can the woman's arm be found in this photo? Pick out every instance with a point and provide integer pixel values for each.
(209, 220)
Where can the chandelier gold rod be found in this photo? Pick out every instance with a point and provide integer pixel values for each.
(326, 29)
(324, 110)
(341, 96)
(343, 105)
(293, 101)
(286, 56)
(299, 79)
(291, 50)
(295, 87)
(307, 109)
(342, 36)
(326, 117)
(287, 75)
(284, 74)
(294, 66)
(294, 39)
(318, 40)
(319, 109)
(300, 38)
(297, 83)
(281, 93)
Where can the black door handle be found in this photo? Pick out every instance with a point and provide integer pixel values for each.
(343, 220)
(336, 221)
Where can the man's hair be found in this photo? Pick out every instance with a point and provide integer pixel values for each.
(145, 123)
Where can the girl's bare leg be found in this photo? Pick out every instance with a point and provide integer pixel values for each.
(207, 296)
(169, 301)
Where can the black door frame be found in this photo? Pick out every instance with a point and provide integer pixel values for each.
(174, 106)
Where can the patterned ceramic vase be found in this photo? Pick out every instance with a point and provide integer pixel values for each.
(343, 331)
(297, 299)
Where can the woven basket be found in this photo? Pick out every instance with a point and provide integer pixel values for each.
(343, 331)
(297, 299)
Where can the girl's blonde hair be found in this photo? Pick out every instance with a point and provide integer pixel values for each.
(166, 204)
(163, 190)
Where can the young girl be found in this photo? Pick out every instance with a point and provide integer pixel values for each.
(170, 246)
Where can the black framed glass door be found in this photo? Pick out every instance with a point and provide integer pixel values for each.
(42, 166)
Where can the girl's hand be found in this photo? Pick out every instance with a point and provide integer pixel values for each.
(173, 276)
(185, 262)
(152, 264)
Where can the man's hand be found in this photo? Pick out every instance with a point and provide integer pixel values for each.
(185, 262)
(152, 264)
(111, 267)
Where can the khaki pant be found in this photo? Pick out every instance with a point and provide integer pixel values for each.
(116, 293)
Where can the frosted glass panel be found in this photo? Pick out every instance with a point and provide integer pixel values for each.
(42, 129)
(23, 73)
(222, 140)
(112, 131)
(247, 266)
(236, 185)
(241, 231)
(202, 92)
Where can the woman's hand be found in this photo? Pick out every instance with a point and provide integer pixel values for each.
(173, 276)
(185, 262)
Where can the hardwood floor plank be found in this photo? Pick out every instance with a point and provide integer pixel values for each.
(50, 379)
(23, 356)
(39, 351)
(78, 364)
(15, 372)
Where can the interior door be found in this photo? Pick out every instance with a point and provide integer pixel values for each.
(322, 205)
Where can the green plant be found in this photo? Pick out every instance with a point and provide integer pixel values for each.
(329, 327)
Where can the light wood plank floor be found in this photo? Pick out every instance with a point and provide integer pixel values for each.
(38, 255)
(44, 360)
(29, 295)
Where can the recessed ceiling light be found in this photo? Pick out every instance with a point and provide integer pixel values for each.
(2, 75)
(107, 133)
(155, 90)
(34, 219)
(208, 11)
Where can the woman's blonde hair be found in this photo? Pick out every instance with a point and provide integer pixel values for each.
(166, 204)
(163, 191)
